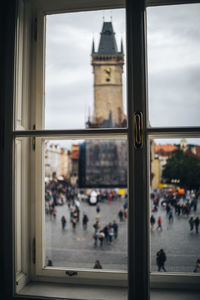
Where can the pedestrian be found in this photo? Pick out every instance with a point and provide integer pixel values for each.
(115, 228)
(63, 222)
(120, 214)
(110, 198)
(126, 213)
(167, 208)
(170, 215)
(191, 222)
(152, 221)
(196, 223)
(74, 223)
(85, 221)
(159, 222)
(110, 233)
(178, 209)
(97, 265)
(78, 213)
(96, 225)
(195, 204)
(71, 214)
(160, 260)
(101, 237)
(98, 215)
(95, 237)
(49, 263)
(75, 214)
(125, 204)
(197, 266)
(97, 209)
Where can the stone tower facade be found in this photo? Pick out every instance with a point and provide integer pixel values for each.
(107, 65)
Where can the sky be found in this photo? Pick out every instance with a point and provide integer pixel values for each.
(173, 53)
(69, 77)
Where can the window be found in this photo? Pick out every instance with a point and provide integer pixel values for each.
(30, 134)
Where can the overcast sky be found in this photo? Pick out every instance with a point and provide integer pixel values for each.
(69, 77)
(173, 38)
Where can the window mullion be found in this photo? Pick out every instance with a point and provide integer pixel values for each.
(138, 206)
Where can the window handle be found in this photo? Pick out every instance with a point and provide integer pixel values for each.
(138, 126)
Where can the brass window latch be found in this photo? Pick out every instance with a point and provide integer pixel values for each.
(138, 129)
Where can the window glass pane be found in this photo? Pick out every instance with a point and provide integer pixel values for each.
(173, 36)
(86, 203)
(174, 205)
(85, 70)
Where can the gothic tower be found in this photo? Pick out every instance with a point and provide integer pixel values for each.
(107, 65)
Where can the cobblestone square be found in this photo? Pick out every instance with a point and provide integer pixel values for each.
(75, 248)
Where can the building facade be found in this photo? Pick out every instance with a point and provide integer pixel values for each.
(107, 65)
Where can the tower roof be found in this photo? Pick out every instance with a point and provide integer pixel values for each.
(107, 45)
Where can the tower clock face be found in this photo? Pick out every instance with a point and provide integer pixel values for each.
(107, 74)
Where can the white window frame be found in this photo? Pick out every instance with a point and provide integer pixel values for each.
(30, 53)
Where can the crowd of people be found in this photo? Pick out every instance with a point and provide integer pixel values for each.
(57, 194)
(174, 204)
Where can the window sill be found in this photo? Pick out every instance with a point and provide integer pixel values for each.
(74, 291)
(100, 293)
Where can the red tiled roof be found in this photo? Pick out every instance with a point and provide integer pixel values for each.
(164, 150)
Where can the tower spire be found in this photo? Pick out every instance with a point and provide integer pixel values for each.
(107, 44)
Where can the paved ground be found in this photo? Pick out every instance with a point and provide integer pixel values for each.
(75, 248)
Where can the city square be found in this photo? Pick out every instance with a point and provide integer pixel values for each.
(75, 248)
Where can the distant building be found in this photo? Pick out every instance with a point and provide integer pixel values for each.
(183, 145)
(74, 172)
(159, 156)
(65, 163)
(107, 65)
(103, 163)
(52, 154)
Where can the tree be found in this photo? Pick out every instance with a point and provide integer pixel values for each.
(183, 167)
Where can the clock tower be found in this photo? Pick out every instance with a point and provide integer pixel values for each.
(107, 65)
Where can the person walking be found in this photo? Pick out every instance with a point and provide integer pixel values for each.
(110, 233)
(101, 237)
(115, 228)
(120, 214)
(74, 220)
(161, 259)
(196, 223)
(63, 222)
(197, 266)
(152, 221)
(95, 237)
(191, 222)
(159, 222)
(97, 209)
(96, 225)
(110, 199)
(85, 221)
(170, 215)
(97, 265)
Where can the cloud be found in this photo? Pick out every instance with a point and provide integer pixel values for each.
(173, 36)
(174, 65)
